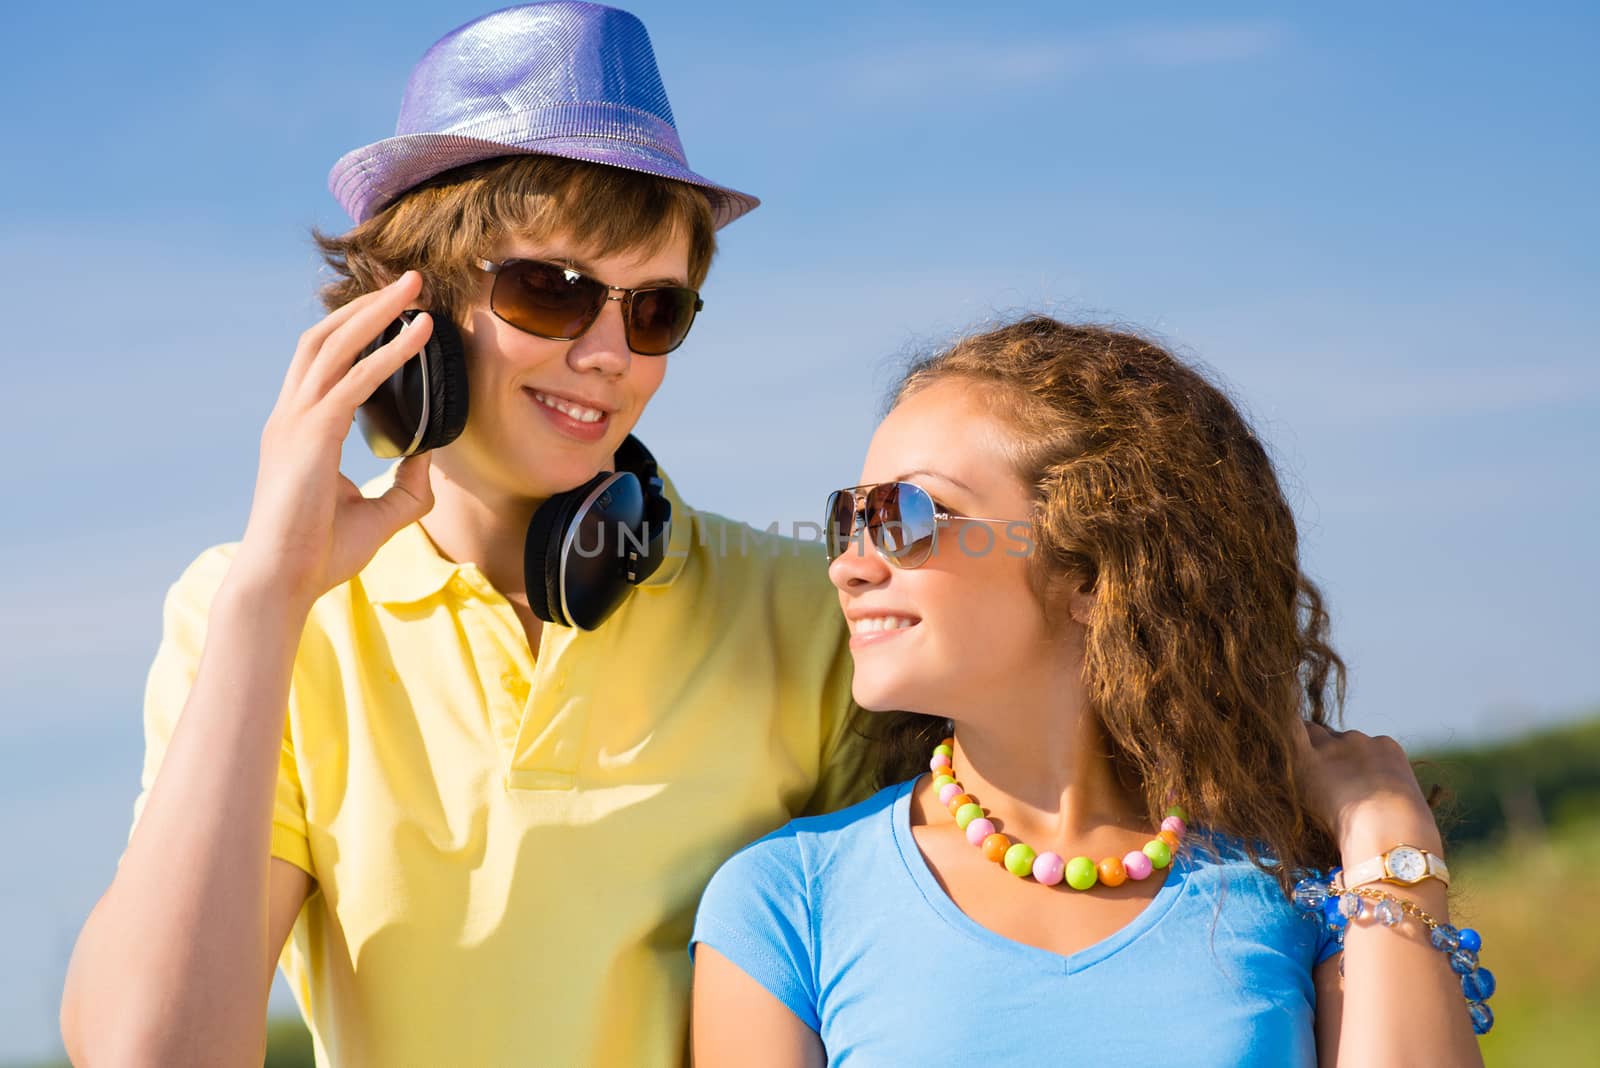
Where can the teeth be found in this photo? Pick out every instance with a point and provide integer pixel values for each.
(576, 411)
(873, 624)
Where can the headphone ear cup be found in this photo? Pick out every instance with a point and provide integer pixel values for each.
(447, 385)
(628, 512)
(541, 552)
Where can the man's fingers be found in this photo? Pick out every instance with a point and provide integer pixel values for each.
(344, 343)
(311, 340)
(367, 375)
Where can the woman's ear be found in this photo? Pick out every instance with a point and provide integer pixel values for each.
(1080, 603)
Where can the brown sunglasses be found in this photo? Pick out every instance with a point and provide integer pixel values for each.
(554, 301)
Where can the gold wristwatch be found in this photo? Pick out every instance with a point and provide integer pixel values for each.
(1406, 865)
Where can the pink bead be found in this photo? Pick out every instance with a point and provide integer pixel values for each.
(979, 829)
(947, 791)
(939, 761)
(1173, 824)
(1048, 868)
(1137, 865)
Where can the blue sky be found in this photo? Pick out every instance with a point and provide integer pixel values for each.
(1377, 225)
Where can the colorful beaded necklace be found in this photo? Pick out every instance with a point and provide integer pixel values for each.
(1018, 858)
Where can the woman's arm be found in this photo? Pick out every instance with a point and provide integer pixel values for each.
(174, 965)
(1399, 1003)
(737, 1021)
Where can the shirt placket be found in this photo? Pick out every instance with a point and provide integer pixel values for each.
(554, 716)
(538, 706)
(502, 660)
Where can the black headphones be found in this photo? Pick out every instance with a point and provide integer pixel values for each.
(586, 547)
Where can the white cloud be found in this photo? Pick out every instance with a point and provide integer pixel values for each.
(1352, 393)
(1190, 45)
(923, 68)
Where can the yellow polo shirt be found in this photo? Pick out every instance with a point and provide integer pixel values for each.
(508, 850)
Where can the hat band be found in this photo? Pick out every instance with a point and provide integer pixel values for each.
(551, 121)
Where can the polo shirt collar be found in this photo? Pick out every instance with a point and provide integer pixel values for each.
(409, 568)
(678, 543)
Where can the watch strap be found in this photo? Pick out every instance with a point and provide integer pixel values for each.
(1376, 869)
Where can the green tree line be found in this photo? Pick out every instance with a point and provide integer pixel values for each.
(1521, 786)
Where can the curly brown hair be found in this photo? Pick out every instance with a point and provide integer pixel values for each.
(1206, 645)
(442, 225)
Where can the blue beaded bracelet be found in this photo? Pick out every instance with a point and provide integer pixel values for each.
(1316, 897)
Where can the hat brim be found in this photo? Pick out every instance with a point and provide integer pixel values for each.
(368, 179)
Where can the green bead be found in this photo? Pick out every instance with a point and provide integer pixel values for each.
(944, 750)
(941, 781)
(1159, 853)
(1019, 860)
(1082, 873)
(967, 813)
(1177, 810)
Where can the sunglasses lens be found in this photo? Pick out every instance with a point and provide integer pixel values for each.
(900, 519)
(838, 523)
(659, 319)
(546, 299)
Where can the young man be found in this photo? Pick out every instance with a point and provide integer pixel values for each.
(477, 837)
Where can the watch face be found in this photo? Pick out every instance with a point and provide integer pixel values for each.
(1406, 864)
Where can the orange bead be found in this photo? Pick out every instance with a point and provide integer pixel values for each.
(951, 742)
(1169, 838)
(1112, 872)
(959, 800)
(995, 846)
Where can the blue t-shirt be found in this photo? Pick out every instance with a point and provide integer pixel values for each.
(841, 919)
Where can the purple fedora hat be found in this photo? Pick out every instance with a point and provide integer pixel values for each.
(557, 79)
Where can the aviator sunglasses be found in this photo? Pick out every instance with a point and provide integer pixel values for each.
(901, 518)
(554, 301)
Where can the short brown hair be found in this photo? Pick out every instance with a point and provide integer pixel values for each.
(442, 225)
(1207, 645)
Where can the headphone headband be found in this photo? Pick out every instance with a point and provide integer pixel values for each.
(634, 458)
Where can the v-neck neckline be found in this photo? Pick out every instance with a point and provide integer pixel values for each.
(916, 865)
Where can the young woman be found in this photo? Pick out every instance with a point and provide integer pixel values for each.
(477, 834)
(1070, 565)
